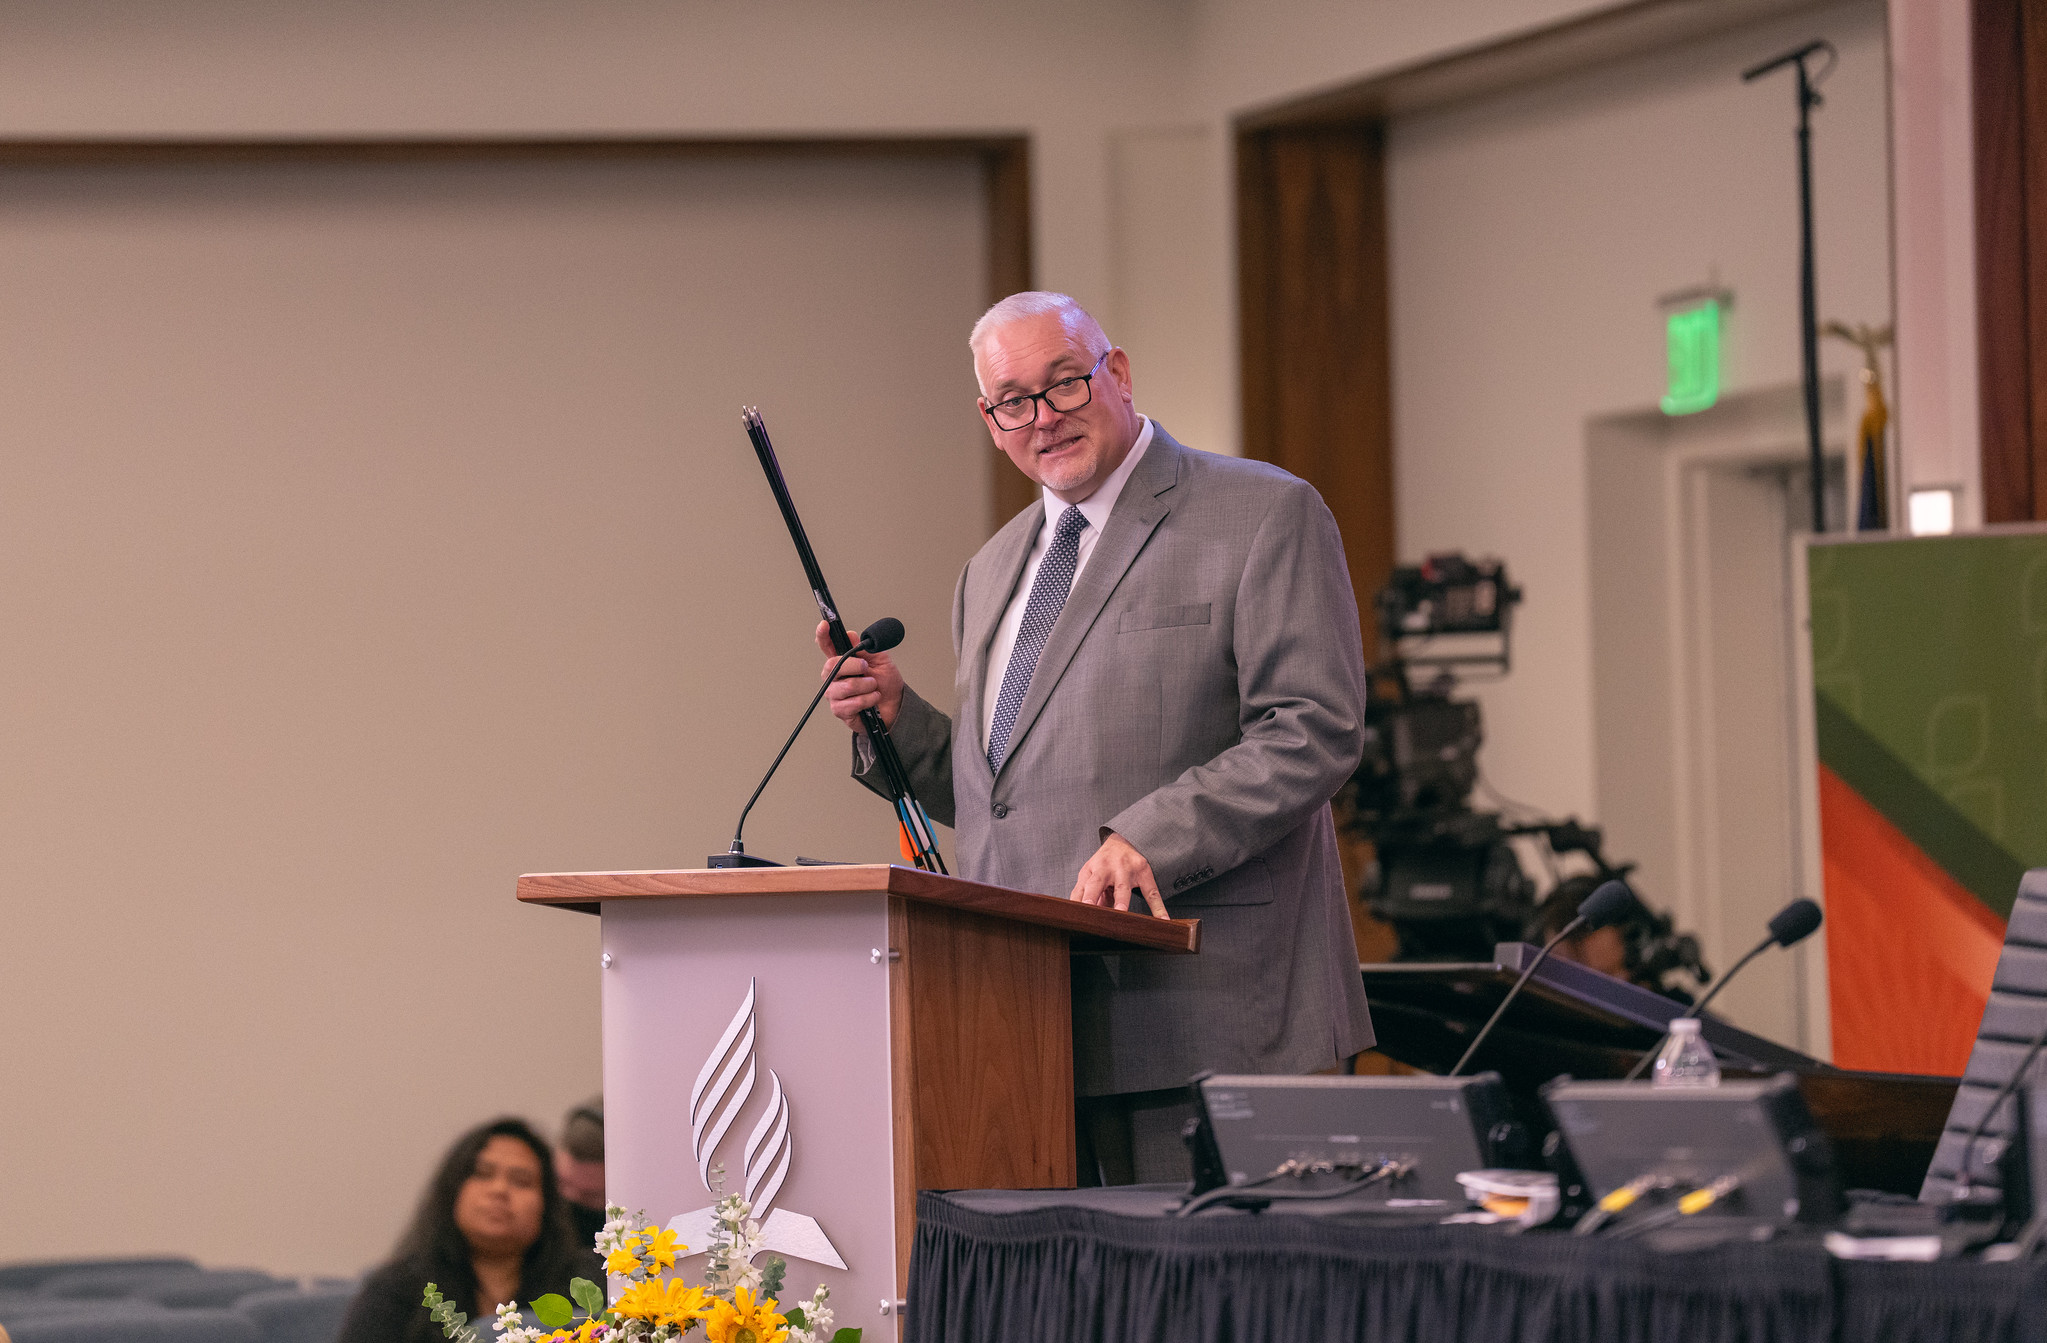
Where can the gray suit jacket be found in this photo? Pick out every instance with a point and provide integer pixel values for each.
(1202, 695)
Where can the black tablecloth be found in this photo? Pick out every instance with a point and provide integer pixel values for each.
(1070, 1265)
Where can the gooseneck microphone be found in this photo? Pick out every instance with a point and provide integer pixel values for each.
(1788, 927)
(879, 637)
(1607, 904)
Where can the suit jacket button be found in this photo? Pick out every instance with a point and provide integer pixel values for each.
(1001, 810)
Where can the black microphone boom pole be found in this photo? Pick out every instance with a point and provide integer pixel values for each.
(1808, 299)
(1605, 905)
(910, 813)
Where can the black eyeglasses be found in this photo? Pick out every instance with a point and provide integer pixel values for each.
(1065, 395)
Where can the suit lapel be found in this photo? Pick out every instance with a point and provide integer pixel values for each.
(1137, 514)
(987, 597)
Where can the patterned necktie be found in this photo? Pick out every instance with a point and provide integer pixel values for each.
(1048, 598)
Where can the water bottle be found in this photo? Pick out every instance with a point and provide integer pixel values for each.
(1685, 1060)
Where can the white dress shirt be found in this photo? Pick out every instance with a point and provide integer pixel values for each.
(1096, 509)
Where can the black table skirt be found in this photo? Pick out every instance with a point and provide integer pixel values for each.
(1074, 1266)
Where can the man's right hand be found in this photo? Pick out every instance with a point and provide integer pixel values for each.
(867, 681)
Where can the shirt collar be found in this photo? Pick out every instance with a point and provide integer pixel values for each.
(1097, 506)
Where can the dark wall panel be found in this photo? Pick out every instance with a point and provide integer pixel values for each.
(1317, 371)
(2009, 42)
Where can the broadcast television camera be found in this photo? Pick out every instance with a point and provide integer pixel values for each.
(1446, 875)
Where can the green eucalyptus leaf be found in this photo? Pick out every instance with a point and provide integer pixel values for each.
(588, 1294)
(771, 1277)
(554, 1310)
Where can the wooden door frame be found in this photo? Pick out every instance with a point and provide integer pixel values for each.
(1004, 161)
(2008, 85)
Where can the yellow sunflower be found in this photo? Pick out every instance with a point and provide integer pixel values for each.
(680, 1304)
(621, 1261)
(745, 1320)
(641, 1301)
(662, 1303)
(660, 1246)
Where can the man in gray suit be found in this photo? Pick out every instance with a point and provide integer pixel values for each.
(1161, 686)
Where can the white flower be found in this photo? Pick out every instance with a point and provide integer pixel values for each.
(512, 1327)
(817, 1319)
(618, 1230)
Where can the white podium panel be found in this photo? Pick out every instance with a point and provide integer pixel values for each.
(754, 1035)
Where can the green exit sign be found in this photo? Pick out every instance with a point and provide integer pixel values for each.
(1692, 334)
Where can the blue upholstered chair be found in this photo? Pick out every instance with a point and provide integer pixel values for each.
(289, 1316)
(188, 1288)
(217, 1288)
(18, 1306)
(31, 1276)
(134, 1322)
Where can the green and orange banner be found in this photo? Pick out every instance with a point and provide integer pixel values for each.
(1930, 695)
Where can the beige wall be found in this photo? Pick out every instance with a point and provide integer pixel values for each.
(375, 535)
(1171, 258)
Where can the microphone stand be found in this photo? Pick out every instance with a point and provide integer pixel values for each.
(1808, 300)
(737, 856)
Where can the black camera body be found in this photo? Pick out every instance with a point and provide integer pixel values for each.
(1445, 876)
(1445, 873)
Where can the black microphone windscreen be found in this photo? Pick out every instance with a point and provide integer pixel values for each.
(1795, 922)
(885, 633)
(1609, 904)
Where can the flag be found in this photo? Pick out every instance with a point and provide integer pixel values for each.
(1873, 492)
(1871, 504)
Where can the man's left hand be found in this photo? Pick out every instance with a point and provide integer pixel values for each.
(1116, 870)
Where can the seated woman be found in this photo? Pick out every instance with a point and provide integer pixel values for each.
(491, 1227)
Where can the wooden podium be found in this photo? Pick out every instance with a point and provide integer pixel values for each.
(836, 1038)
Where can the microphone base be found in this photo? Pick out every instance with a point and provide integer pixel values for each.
(739, 860)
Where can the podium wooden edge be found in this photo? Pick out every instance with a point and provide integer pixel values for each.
(1091, 928)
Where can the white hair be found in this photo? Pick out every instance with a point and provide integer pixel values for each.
(1036, 303)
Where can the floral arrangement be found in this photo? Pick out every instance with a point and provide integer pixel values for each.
(736, 1304)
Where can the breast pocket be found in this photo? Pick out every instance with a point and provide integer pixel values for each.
(1162, 617)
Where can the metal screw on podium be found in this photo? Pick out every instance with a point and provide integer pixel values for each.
(874, 955)
(605, 960)
(892, 1307)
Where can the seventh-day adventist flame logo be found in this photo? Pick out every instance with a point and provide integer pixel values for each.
(723, 1086)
